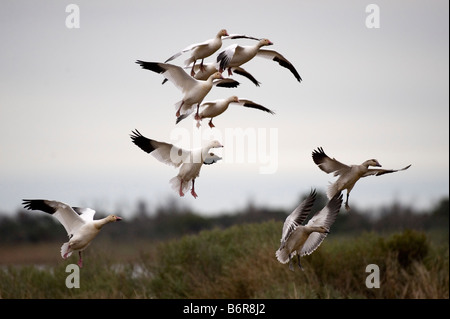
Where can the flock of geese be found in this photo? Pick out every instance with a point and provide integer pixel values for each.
(195, 80)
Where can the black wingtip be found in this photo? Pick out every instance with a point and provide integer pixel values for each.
(180, 118)
(152, 66)
(141, 141)
(26, 203)
(38, 204)
(319, 151)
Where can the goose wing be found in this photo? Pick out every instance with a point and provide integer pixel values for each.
(326, 163)
(297, 217)
(211, 158)
(173, 73)
(63, 213)
(189, 48)
(379, 171)
(253, 105)
(87, 214)
(226, 83)
(324, 218)
(239, 36)
(224, 58)
(277, 57)
(243, 72)
(163, 152)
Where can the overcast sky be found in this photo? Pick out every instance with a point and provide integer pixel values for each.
(70, 97)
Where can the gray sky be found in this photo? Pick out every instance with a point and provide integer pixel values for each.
(69, 98)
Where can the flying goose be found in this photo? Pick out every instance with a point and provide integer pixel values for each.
(236, 55)
(348, 174)
(194, 90)
(301, 240)
(205, 49)
(78, 222)
(189, 161)
(217, 107)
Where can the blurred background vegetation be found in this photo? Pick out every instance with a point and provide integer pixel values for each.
(173, 252)
(172, 221)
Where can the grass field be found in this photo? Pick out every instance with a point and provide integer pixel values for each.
(238, 262)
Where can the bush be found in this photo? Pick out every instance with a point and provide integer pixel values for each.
(409, 246)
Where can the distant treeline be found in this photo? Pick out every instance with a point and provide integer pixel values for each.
(171, 221)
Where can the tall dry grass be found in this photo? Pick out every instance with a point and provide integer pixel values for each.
(239, 262)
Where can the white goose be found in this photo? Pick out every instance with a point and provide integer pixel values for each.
(236, 55)
(217, 107)
(348, 174)
(194, 90)
(189, 161)
(205, 49)
(301, 240)
(78, 222)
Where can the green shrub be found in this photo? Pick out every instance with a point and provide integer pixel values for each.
(409, 246)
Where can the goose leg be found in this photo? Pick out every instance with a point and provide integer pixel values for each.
(80, 260)
(179, 109)
(291, 266)
(197, 116)
(230, 73)
(193, 193)
(211, 125)
(66, 254)
(181, 189)
(347, 207)
(202, 68)
(192, 70)
(299, 264)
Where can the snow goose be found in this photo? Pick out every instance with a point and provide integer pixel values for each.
(217, 107)
(236, 55)
(348, 174)
(301, 240)
(189, 161)
(194, 90)
(78, 222)
(207, 48)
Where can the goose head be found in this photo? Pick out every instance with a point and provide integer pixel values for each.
(216, 75)
(372, 162)
(264, 42)
(222, 33)
(215, 144)
(114, 218)
(233, 98)
(108, 219)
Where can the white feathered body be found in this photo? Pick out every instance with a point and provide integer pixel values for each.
(82, 238)
(296, 243)
(215, 108)
(347, 179)
(187, 172)
(204, 50)
(194, 94)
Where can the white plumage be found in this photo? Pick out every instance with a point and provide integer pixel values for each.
(212, 109)
(348, 174)
(78, 222)
(189, 161)
(301, 240)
